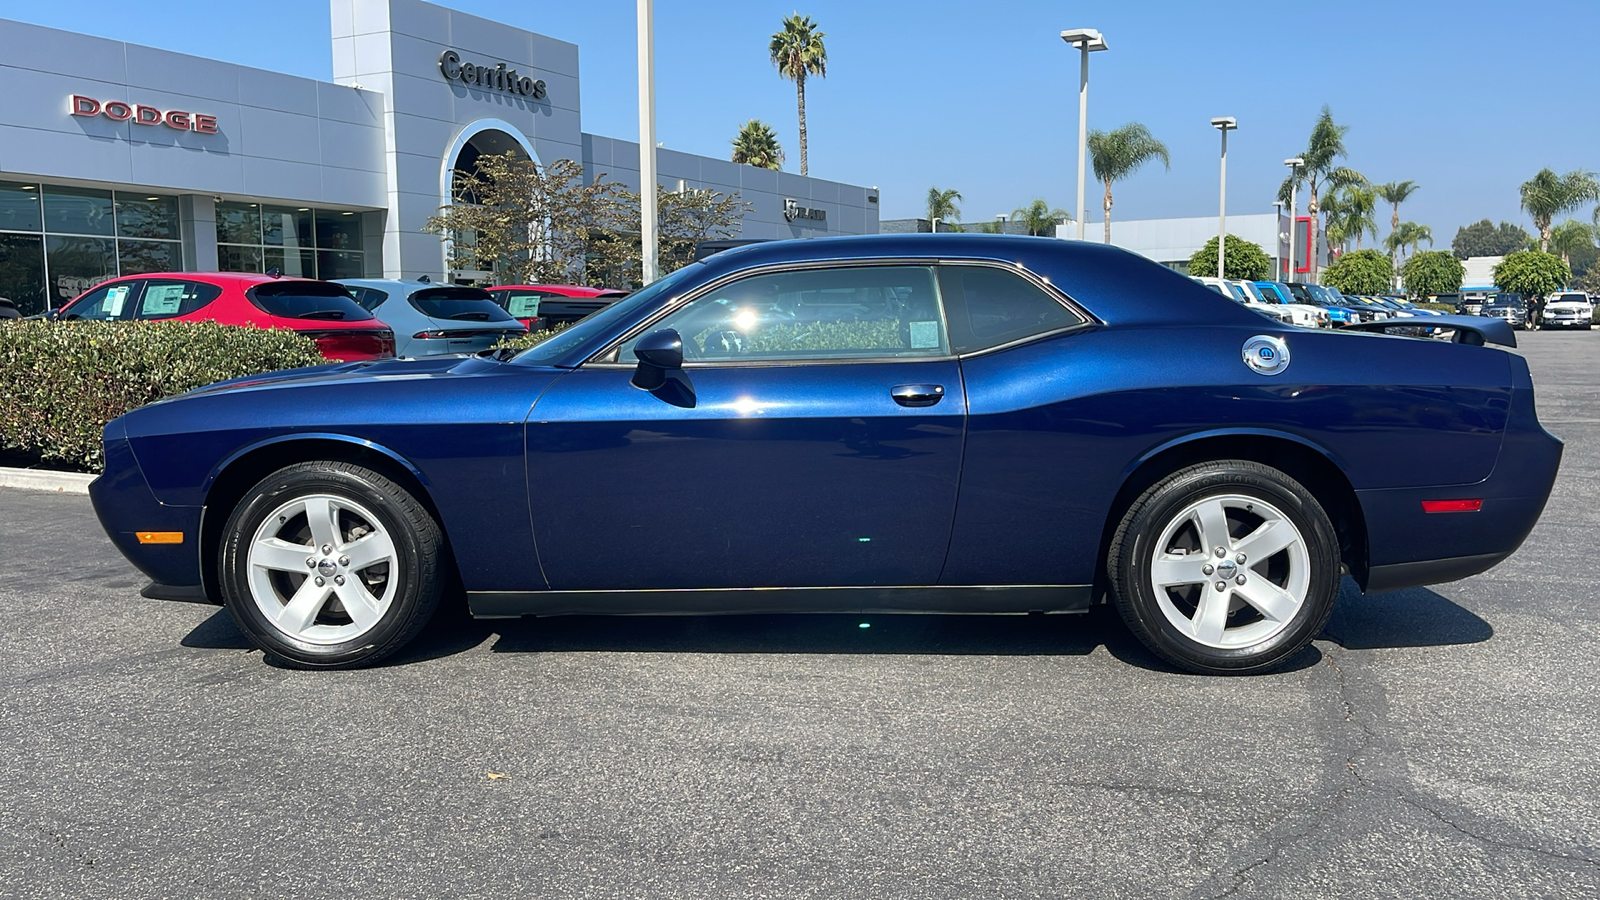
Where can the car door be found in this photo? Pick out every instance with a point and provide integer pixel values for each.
(813, 438)
(171, 298)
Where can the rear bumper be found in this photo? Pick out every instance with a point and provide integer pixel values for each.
(1408, 547)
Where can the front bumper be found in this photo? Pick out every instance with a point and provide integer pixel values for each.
(126, 507)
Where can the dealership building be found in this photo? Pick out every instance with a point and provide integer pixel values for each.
(134, 159)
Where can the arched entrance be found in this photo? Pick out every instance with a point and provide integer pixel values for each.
(480, 138)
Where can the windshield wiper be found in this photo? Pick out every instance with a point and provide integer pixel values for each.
(322, 314)
(470, 317)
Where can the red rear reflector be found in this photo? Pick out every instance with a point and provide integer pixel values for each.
(1446, 506)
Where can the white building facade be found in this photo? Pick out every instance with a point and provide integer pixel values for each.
(134, 159)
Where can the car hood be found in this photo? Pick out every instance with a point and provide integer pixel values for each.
(352, 372)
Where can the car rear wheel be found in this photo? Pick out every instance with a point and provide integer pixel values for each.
(330, 565)
(1225, 568)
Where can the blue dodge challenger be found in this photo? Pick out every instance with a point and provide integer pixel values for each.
(897, 423)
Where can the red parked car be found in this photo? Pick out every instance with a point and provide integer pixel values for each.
(320, 310)
(545, 305)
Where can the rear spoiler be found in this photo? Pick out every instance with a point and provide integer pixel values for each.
(1477, 330)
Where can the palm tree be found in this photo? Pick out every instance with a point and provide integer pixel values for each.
(1547, 195)
(942, 205)
(1395, 193)
(1569, 236)
(1407, 235)
(1322, 153)
(1039, 218)
(756, 145)
(797, 51)
(1117, 154)
(1360, 212)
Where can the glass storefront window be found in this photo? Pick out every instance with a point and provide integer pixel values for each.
(239, 259)
(89, 236)
(297, 241)
(338, 230)
(297, 263)
(78, 210)
(147, 217)
(22, 271)
(139, 257)
(77, 264)
(283, 226)
(339, 264)
(19, 207)
(238, 223)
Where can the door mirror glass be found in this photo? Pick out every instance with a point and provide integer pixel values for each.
(659, 352)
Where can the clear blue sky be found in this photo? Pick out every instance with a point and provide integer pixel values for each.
(981, 97)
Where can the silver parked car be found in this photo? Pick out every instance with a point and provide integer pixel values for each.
(433, 319)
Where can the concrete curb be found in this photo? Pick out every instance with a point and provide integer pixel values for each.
(45, 480)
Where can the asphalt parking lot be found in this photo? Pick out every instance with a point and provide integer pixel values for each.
(1434, 742)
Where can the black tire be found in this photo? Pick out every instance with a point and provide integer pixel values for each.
(418, 563)
(1132, 555)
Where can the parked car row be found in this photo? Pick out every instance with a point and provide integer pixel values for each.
(349, 319)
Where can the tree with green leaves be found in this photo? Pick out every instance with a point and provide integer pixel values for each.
(1321, 169)
(942, 205)
(691, 216)
(1351, 212)
(798, 52)
(1407, 235)
(757, 145)
(1360, 272)
(1569, 238)
(1245, 260)
(1119, 153)
(1547, 195)
(1395, 193)
(1039, 218)
(530, 224)
(1432, 273)
(1531, 273)
(1482, 238)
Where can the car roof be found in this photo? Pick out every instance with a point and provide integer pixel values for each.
(571, 290)
(246, 279)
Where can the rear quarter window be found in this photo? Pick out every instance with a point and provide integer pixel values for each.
(308, 300)
(990, 306)
(163, 299)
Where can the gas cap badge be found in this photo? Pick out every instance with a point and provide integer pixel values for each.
(1266, 355)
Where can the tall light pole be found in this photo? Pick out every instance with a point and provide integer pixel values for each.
(647, 139)
(1224, 124)
(1283, 237)
(1086, 40)
(1001, 218)
(1294, 185)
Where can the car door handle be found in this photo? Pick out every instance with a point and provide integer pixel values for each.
(917, 394)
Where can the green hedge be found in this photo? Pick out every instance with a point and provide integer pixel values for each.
(60, 383)
(1446, 308)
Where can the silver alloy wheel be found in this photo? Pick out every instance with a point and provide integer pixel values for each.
(321, 569)
(1230, 571)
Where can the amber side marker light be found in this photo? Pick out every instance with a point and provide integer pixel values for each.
(160, 537)
(1449, 506)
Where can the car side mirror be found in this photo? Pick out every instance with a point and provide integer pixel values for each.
(659, 352)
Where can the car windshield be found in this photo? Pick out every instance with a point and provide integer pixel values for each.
(563, 342)
(459, 304)
(308, 300)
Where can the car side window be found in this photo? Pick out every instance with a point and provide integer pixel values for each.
(165, 299)
(523, 304)
(106, 303)
(991, 306)
(367, 298)
(863, 312)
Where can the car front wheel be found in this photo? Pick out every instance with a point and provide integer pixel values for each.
(1225, 568)
(330, 565)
